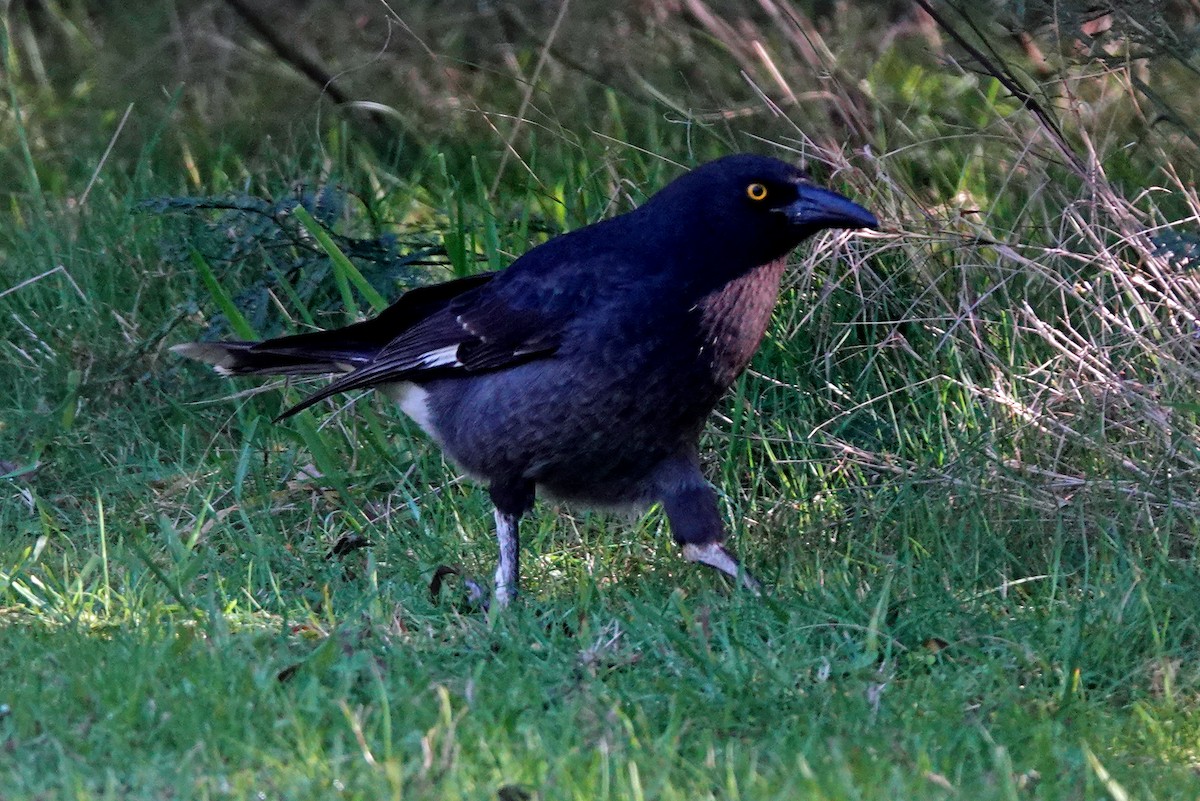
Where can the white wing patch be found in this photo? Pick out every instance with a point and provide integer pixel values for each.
(442, 357)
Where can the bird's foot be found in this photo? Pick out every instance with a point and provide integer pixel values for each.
(474, 597)
(714, 555)
(504, 594)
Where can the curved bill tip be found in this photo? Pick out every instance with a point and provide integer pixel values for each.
(823, 208)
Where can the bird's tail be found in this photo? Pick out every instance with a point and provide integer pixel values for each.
(297, 355)
(338, 350)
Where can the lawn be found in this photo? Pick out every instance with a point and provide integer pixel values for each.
(964, 460)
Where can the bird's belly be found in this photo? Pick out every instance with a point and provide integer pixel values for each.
(583, 436)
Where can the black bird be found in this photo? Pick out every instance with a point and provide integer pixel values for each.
(587, 368)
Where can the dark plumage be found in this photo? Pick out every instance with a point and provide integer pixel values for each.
(587, 368)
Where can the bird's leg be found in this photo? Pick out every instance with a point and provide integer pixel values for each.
(512, 501)
(714, 554)
(696, 525)
(507, 568)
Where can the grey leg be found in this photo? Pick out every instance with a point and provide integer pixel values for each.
(507, 570)
(691, 506)
(512, 499)
(715, 555)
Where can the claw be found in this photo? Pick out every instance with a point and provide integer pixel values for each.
(714, 555)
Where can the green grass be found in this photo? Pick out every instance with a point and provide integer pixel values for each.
(964, 462)
(864, 674)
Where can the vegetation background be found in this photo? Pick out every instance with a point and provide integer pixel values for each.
(965, 459)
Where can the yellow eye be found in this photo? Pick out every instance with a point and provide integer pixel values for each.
(756, 192)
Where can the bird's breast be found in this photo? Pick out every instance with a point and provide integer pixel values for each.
(735, 317)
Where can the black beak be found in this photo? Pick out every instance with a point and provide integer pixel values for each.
(820, 208)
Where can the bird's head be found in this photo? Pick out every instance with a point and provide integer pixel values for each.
(748, 210)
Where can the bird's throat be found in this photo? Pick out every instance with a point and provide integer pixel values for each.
(735, 317)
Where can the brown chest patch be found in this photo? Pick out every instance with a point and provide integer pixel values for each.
(735, 318)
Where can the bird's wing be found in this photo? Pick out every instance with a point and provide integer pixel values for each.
(360, 343)
(497, 325)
